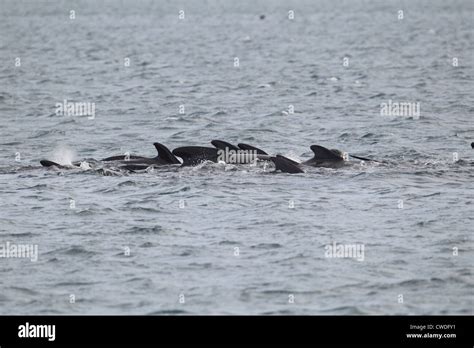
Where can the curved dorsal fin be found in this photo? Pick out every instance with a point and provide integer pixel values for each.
(222, 145)
(251, 148)
(165, 154)
(323, 154)
(286, 165)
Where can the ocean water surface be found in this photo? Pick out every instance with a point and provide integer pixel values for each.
(238, 239)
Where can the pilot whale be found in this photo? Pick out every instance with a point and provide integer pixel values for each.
(245, 153)
(323, 157)
(221, 152)
(164, 157)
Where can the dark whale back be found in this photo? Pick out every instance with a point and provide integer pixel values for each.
(286, 165)
(47, 163)
(120, 158)
(222, 145)
(251, 148)
(192, 155)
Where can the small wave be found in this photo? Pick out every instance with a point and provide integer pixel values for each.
(19, 235)
(75, 250)
(73, 284)
(85, 212)
(413, 282)
(45, 133)
(424, 223)
(144, 230)
(168, 312)
(205, 265)
(144, 210)
(127, 183)
(344, 135)
(13, 143)
(186, 253)
(276, 292)
(378, 95)
(228, 242)
(39, 186)
(266, 246)
(279, 312)
(369, 135)
(345, 310)
(24, 291)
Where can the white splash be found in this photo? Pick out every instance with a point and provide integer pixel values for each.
(63, 155)
(85, 165)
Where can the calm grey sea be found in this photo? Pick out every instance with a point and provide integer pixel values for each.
(224, 239)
